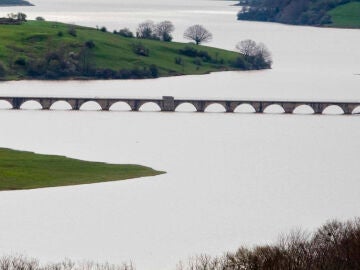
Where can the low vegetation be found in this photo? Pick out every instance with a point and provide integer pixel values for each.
(26, 170)
(334, 13)
(50, 50)
(334, 246)
(14, 19)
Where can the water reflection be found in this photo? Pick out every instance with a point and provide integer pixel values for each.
(275, 108)
(303, 109)
(150, 107)
(215, 108)
(31, 105)
(61, 106)
(245, 108)
(120, 106)
(90, 106)
(333, 109)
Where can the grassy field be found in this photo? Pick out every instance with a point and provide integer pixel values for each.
(26, 170)
(21, 45)
(347, 15)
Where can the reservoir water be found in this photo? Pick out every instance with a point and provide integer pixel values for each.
(232, 179)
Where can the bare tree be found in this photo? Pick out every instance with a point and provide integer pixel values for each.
(247, 47)
(21, 17)
(145, 29)
(263, 51)
(198, 33)
(163, 30)
(250, 49)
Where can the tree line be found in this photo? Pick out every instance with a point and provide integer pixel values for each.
(163, 31)
(14, 18)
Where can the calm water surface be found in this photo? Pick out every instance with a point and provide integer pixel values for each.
(233, 179)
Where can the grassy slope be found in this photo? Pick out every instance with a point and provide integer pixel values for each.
(347, 15)
(34, 39)
(26, 170)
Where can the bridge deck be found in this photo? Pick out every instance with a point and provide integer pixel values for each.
(169, 104)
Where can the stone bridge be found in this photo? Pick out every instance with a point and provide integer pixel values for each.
(170, 104)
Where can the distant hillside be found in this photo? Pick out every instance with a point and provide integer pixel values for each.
(50, 50)
(14, 3)
(303, 12)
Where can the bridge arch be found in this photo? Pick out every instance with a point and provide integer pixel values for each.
(61, 105)
(185, 107)
(5, 104)
(214, 107)
(120, 106)
(31, 104)
(90, 105)
(245, 108)
(150, 106)
(303, 109)
(333, 110)
(274, 109)
(356, 110)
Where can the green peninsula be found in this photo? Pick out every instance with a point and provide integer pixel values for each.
(52, 50)
(26, 170)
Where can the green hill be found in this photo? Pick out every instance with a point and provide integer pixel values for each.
(334, 13)
(51, 50)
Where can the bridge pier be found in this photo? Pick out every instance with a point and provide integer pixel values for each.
(229, 106)
(199, 106)
(318, 109)
(348, 108)
(17, 102)
(45, 103)
(104, 104)
(73, 104)
(167, 104)
(288, 107)
(258, 106)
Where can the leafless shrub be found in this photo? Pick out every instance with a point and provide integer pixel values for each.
(18, 263)
(202, 262)
(146, 30)
(163, 30)
(24, 263)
